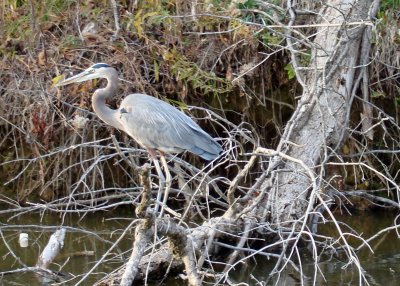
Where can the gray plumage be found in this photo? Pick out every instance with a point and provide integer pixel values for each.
(158, 125)
(153, 123)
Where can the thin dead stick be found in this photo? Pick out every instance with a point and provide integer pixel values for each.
(16, 257)
(376, 235)
(114, 8)
(240, 245)
(393, 183)
(238, 178)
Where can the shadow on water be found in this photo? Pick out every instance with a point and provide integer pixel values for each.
(89, 237)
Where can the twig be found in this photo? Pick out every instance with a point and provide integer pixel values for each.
(114, 8)
(363, 193)
(243, 240)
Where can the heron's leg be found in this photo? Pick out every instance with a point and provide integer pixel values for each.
(161, 177)
(167, 181)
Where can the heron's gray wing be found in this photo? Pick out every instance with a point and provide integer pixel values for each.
(156, 124)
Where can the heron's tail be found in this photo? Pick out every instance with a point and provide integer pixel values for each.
(204, 154)
(206, 147)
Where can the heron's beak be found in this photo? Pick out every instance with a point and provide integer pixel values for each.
(80, 77)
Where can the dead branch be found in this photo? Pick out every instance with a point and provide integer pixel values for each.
(53, 247)
(143, 235)
(114, 8)
(180, 244)
(144, 230)
(182, 247)
(374, 199)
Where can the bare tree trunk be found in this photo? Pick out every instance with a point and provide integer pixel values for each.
(318, 126)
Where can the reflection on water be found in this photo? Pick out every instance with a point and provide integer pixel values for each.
(89, 237)
(381, 265)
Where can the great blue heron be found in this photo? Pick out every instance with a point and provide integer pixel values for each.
(154, 124)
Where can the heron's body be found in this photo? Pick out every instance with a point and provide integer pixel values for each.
(172, 131)
(153, 123)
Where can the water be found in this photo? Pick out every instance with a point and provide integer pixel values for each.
(381, 265)
(89, 237)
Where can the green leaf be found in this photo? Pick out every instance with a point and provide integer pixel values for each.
(290, 71)
(377, 94)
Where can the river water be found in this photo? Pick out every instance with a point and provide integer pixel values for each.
(89, 237)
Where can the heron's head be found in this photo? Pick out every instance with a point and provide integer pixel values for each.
(99, 70)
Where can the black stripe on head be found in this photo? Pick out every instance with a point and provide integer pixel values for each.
(101, 65)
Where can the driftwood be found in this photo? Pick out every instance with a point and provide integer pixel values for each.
(175, 256)
(180, 244)
(143, 231)
(179, 253)
(53, 247)
(49, 253)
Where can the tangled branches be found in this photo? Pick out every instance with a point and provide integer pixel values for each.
(340, 143)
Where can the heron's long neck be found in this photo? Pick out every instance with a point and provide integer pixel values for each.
(105, 113)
